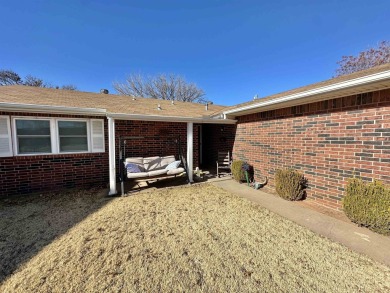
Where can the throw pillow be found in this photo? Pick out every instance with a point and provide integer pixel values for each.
(132, 168)
(173, 165)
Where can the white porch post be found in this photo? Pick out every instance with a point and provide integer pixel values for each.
(111, 155)
(190, 150)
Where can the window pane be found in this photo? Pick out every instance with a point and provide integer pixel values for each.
(72, 128)
(33, 127)
(73, 144)
(29, 145)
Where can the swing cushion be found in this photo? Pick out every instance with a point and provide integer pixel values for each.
(152, 167)
(157, 172)
(165, 161)
(152, 163)
(175, 171)
(137, 175)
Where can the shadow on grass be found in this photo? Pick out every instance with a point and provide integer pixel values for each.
(29, 223)
(131, 186)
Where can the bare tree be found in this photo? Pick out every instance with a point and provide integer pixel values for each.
(162, 86)
(69, 87)
(35, 81)
(9, 77)
(365, 59)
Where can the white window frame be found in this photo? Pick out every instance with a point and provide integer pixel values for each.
(88, 135)
(15, 135)
(54, 135)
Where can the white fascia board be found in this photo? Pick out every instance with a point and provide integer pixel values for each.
(170, 118)
(219, 121)
(320, 90)
(51, 109)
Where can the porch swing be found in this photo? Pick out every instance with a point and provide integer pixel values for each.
(150, 168)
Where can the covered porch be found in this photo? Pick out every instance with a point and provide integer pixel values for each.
(200, 139)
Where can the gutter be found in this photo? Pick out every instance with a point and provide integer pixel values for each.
(51, 109)
(16, 107)
(321, 90)
(169, 118)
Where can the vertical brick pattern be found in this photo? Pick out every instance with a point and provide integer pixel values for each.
(40, 173)
(328, 141)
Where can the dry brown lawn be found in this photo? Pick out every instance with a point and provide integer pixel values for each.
(197, 238)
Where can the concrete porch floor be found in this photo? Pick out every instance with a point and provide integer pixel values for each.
(338, 229)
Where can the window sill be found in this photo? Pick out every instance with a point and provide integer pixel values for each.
(58, 155)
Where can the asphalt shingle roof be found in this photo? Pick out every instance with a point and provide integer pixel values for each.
(112, 103)
(142, 106)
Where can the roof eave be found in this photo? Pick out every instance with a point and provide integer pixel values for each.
(32, 108)
(160, 118)
(16, 107)
(322, 93)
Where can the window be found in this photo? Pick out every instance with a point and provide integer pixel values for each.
(33, 136)
(73, 136)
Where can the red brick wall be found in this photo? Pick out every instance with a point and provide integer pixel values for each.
(27, 174)
(217, 138)
(157, 138)
(42, 173)
(328, 141)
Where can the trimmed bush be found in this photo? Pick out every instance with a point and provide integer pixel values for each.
(237, 171)
(290, 184)
(368, 205)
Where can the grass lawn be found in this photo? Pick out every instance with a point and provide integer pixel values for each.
(197, 238)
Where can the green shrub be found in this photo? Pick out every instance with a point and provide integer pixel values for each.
(237, 171)
(368, 204)
(290, 184)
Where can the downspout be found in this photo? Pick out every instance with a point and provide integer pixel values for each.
(190, 150)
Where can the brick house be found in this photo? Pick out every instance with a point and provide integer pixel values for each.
(52, 139)
(331, 131)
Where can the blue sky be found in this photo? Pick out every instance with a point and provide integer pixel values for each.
(231, 49)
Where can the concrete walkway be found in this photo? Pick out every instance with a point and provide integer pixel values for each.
(359, 239)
